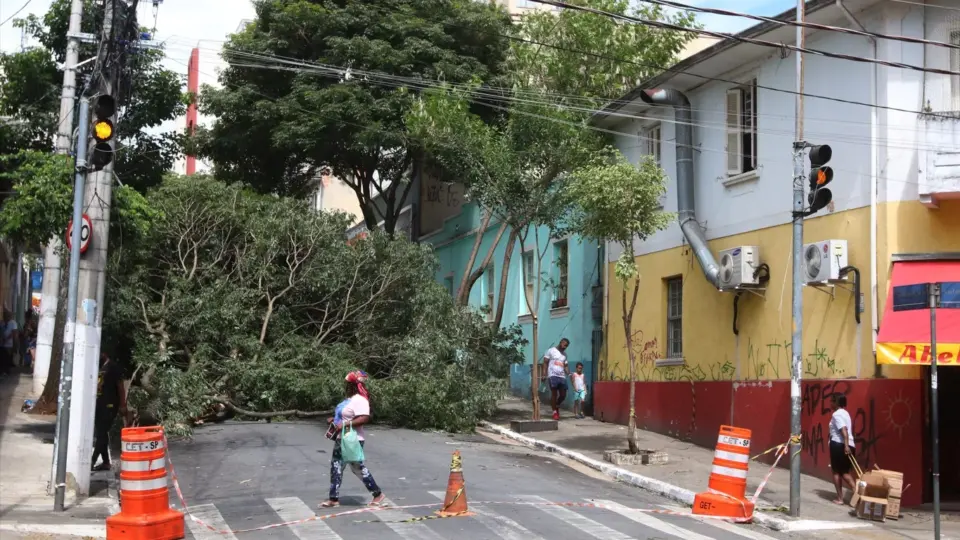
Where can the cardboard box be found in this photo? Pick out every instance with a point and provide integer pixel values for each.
(873, 484)
(893, 507)
(872, 508)
(894, 480)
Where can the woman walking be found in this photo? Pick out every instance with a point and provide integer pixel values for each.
(841, 446)
(354, 412)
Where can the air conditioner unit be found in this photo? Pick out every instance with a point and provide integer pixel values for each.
(823, 260)
(738, 266)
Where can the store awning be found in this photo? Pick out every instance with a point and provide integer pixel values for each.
(904, 336)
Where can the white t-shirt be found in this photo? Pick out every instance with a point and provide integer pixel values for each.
(8, 330)
(356, 406)
(839, 420)
(578, 384)
(556, 363)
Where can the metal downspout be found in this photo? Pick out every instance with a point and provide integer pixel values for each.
(686, 197)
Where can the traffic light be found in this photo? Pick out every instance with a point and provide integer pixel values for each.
(820, 175)
(104, 108)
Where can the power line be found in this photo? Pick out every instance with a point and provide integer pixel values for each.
(753, 41)
(15, 13)
(801, 24)
(908, 2)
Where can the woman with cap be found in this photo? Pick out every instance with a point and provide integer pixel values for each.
(355, 412)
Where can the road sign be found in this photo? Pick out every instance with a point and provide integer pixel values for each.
(86, 233)
(910, 297)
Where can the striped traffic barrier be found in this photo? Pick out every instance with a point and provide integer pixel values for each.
(145, 512)
(727, 487)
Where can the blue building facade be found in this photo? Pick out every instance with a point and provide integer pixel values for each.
(571, 300)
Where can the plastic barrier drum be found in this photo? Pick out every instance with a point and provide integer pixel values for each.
(726, 496)
(145, 512)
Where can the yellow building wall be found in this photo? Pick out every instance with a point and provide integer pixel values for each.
(834, 345)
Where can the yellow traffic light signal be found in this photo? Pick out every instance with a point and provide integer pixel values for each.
(104, 107)
(820, 175)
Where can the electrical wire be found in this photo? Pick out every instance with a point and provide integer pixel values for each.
(15, 13)
(753, 41)
(908, 2)
(400, 81)
(801, 24)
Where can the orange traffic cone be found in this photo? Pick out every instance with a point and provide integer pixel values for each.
(455, 503)
(728, 478)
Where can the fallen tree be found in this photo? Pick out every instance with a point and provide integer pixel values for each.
(256, 304)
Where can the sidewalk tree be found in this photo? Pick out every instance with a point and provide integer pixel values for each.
(613, 200)
(562, 65)
(257, 304)
(305, 89)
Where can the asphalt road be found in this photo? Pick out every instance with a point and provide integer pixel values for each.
(243, 476)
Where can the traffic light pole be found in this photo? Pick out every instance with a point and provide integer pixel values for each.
(796, 347)
(934, 293)
(66, 383)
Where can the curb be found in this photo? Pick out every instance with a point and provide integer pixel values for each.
(659, 487)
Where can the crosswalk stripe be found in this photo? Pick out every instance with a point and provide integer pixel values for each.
(739, 530)
(294, 509)
(208, 514)
(502, 526)
(652, 522)
(410, 531)
(585, 524)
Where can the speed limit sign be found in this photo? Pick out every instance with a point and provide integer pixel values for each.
(86, 233)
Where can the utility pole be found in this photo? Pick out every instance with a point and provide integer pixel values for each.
(934, 292)
(796, 347)
(50, 289)
(86, 359)
(63, 414)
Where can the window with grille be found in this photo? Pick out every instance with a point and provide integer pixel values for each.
(675, 317)
(560, 262)
(742, 129)
(527, 282)
(651, 140)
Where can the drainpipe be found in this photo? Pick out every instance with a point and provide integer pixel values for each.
(686, 201)
(874, 171)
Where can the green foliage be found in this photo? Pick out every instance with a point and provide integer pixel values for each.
(30, 83)
(42, 201)
(611, 199)
(258, 302)
(276, 127)
(575, 55)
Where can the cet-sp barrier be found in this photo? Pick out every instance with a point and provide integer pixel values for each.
(727, 486)
(145, 512)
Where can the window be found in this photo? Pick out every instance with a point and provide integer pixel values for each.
(651, 142)
(489, 286)
(448, 283)
(742, 129)
(527, 282)
(675, 317)
(955, 66)
(560, 259)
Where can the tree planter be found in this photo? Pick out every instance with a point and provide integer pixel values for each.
(644, 457)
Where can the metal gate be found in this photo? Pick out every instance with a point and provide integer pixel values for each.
(596, 345)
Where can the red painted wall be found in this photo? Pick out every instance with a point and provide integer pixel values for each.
(887, 418)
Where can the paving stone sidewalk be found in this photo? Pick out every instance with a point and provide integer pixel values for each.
(689, 467)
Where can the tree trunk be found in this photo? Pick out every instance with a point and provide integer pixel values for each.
(627, 314)
(47, 403)
(463, 293)
(535, 370)
(504, 274)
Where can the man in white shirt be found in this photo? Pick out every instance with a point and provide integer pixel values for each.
(557, 372)
(842, 446)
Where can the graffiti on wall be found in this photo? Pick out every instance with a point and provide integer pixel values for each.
(816, 409)
(443, 193)
(820, 363)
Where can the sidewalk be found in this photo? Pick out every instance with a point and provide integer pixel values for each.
(689, 467)
(26, 454)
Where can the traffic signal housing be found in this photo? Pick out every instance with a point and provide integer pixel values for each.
(104, 108)
(820, 175)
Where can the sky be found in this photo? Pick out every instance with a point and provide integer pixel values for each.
(183, 24)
